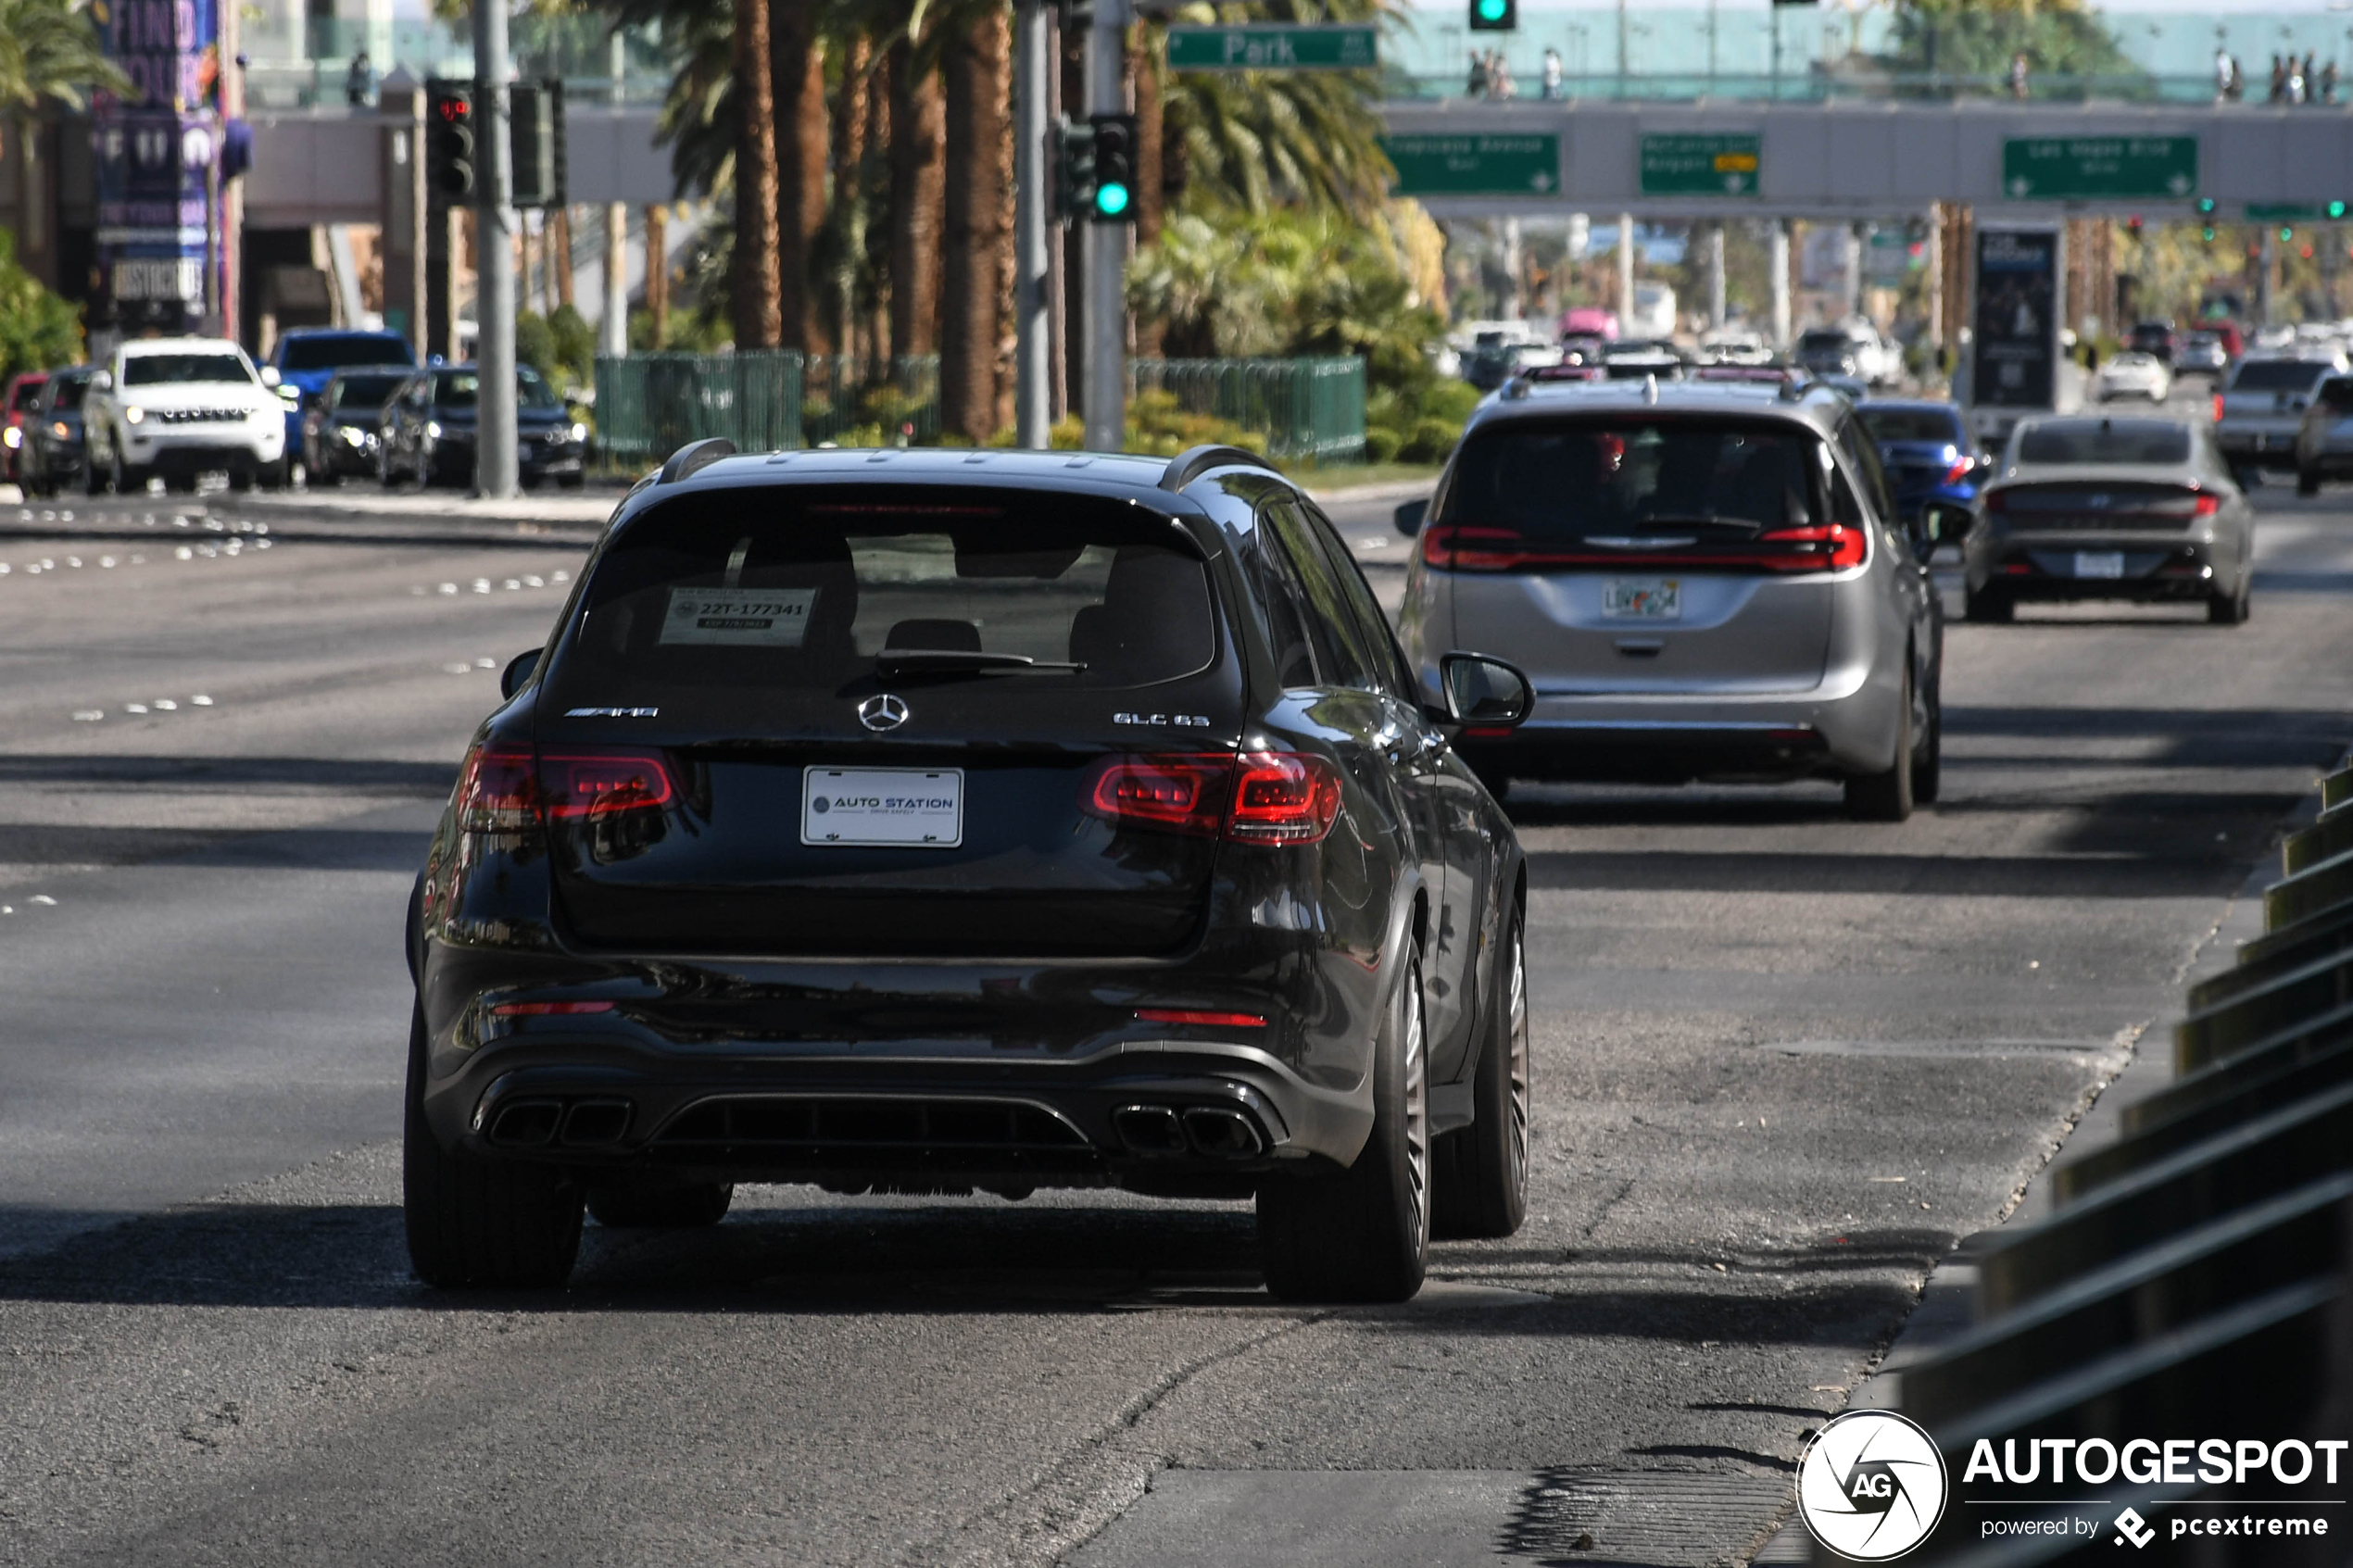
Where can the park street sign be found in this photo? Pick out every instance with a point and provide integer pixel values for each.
(1275, 46)
(1701, 165)
(1475, 166)
(2064, 168)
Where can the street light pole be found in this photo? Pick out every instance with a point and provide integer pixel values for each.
(1033, 396)
(1105, 247)
(494, 259)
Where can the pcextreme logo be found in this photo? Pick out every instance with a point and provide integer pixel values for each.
(1871, 1486)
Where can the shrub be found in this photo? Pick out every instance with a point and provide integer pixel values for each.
(1430, 440)
(1381, 444)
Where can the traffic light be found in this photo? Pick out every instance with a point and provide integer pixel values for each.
(2133, 223)
(2207, 233)
(2206, 206)
(2286, 233)
(2335, 211)
(1074, 171)
(1114, 164)
(537, 140)
(450, 141)
(1494, 16)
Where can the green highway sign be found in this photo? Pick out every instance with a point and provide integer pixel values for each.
(1275, 46)
(1701, 165)
(2064, 168)
(1475, 166)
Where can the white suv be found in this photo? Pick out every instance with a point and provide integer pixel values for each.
(176, 407)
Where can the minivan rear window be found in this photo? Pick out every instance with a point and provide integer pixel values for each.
(1912, 424)
(2105, 441)
(744, 593)
(2277, 375)
(1577, 481)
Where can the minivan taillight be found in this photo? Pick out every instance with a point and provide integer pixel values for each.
(1834, 545)
(1257, 797)
(498, 792)
(1813, 547)
(2205, 505)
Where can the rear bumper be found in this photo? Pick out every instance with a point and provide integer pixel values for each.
(2151, 569)
(1172, 1116)
(2270, 444)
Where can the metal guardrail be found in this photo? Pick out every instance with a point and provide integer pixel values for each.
(2196, 1274)
(1311, 409)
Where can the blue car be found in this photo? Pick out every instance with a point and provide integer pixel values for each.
(307, 357)
(1928, 451)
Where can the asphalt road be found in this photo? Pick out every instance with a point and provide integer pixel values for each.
(1784, 1062)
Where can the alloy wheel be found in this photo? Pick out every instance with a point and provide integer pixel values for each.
(1519, 1090)
(1417, 1128)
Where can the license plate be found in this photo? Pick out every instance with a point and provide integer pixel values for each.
(2099, 563)
(1642, 599)
(904, 808)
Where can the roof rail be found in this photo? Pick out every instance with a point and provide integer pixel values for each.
(1194, 461)
(693, 455)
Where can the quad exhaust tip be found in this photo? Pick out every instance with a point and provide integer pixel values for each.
(1213, 1132)
(535, 1123)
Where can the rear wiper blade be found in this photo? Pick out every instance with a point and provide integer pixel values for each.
(930, 662)
(1747, 524)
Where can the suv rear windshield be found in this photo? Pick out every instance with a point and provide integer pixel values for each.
(366, 392)
(1912, 424)
(334, 353)
(2105, 441)
(65, 392)
(164, 370)
(1822, 340)
(1622, 476)
(709, 605)
(2277, 375)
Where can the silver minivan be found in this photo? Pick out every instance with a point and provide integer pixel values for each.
(1702, 581)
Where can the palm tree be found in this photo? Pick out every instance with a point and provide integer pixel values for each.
(759, 289)
(49, 53)
(798, 53)
(918, 127)
(974, 66)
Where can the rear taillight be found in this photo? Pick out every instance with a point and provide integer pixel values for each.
(498, 792)
(506, 790)
(2206, 506)
(1456, 548)
(1962, 468)
(1258, 797)
(1283, 797)
(1833, 544)
(1205, 1019)
(2218, 408)
(598, 784)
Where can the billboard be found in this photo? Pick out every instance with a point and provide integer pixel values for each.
(153, 152)
(2014, 355)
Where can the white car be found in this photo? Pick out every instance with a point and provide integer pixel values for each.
(2132, 375)
(177, 407)
(1734, 345)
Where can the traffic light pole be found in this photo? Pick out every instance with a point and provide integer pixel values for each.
(1105, 338)
(1033, 401)
(494, 470)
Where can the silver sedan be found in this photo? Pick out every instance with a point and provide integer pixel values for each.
(2111, 509)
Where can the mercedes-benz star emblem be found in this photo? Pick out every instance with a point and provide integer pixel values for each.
(884, 712)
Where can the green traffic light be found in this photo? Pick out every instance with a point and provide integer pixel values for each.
(2207, 233)
(2287, 234)
(2336, 210)
(1111, 200)
(1492, 10)
(2205, 204)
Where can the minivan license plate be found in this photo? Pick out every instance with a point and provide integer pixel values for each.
(1642, 599)
(2099, 563)
(903, 807)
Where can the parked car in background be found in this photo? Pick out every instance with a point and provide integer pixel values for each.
(306, 359)
(16, 402)
(972, 821)
(2132, 374)
(342, 425)
(1734, 345)
(52, 454)
(1928, 452)
(1632, 358)
(1589, 321)
(1704, 579)
(176, 409)
(428, 430)
(1654, 313)
(2325, 436)
(2156, 339)
(2261, 408)
(2111, 509)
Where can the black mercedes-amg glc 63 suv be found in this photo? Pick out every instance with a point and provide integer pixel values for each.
(932, 822)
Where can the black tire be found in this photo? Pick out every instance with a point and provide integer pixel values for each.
(571, 480)
(476, 1222)
(2232, 609)
(689, 1207)
(2308, 482)
(1887, 796)
(1363, 1234)
(1988, 606)
(88, 478)
(241, 478)
(1928, 758)
(1480, 1173)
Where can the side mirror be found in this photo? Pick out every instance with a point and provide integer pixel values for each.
(1409, 517)
(518, 672)
(1485, 692)
(1945, 522)
(270, 376)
